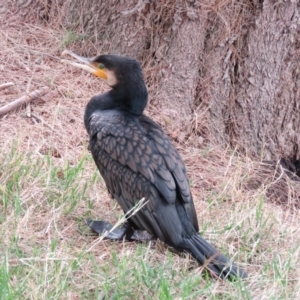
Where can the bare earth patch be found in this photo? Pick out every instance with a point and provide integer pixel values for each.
(49, 184)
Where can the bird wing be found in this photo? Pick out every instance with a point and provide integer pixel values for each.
(136, 160)
(175, 166)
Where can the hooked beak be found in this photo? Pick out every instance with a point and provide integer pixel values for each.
(84, 63)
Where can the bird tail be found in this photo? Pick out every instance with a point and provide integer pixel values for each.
(212, 258)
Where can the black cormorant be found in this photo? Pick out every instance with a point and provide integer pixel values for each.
(137, 160)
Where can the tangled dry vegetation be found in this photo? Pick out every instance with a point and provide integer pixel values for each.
(49, 184)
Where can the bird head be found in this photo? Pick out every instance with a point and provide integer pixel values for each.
(123, 74)
(113, 69)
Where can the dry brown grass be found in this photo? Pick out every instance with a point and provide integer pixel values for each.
(41, 235)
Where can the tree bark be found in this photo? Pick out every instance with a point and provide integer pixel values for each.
(268, 106)
(227, 71)
(262, 114)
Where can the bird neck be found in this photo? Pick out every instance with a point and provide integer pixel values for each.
(133, 101)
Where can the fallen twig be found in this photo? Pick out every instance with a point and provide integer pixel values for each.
(23, 100)
(6, 85)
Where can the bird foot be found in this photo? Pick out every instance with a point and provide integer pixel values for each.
(122, 232)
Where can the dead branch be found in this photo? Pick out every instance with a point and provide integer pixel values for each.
(6, 85)
(23, 100)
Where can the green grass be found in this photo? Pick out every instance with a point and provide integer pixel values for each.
(45, 254)
(69, 37)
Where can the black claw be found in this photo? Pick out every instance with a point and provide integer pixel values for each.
(119, 233)
(102, 227)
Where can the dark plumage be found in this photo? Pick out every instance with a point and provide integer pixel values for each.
(136, 159)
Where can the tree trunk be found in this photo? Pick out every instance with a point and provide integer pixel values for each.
(227, 71)
(253, 99)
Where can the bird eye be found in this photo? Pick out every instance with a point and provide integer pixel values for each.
(101, 66)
